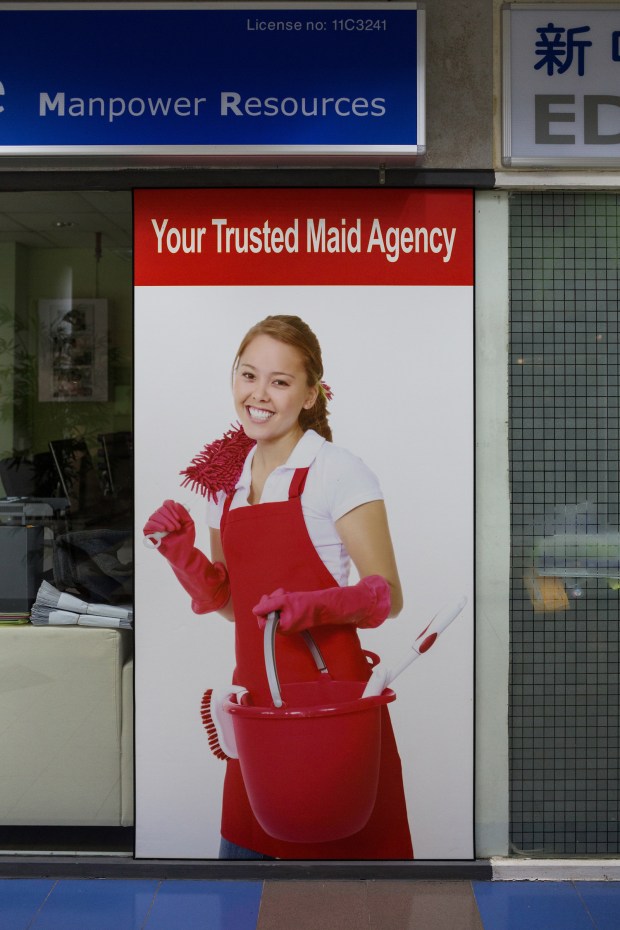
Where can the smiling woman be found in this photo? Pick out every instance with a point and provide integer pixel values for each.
(293, 486)
(270, 390)
(291, 349)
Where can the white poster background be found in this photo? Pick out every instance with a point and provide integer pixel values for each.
(400, 363)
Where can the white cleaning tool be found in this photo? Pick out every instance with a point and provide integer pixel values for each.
(382, 677)
(153, 540)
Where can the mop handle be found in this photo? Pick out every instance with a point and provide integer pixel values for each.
(381, 678)
(440, 622)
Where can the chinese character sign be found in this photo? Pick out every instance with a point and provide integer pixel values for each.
(562, 86)
(559, 48)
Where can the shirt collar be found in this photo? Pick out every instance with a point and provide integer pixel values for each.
(306, 450)
(302, 456)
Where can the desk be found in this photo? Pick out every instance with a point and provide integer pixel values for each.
(66, 726)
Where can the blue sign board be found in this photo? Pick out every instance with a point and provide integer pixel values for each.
(214, 79)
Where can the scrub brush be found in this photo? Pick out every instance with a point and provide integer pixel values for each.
(218, 723)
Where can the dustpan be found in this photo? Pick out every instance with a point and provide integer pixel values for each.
(310, 761)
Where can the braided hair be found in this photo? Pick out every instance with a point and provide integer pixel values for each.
(293, 331)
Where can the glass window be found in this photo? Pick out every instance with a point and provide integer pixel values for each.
(564, 426)
(66, 503)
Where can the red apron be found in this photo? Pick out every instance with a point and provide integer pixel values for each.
(266, 547)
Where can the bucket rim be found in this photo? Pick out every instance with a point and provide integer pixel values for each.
(327, 709)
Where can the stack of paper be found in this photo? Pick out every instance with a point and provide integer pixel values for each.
(56, 608)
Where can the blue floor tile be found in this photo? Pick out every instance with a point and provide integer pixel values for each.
(531, 906)
(197, 905)
(602, 899)
(96, 904)
(20, 899)
(106, 904)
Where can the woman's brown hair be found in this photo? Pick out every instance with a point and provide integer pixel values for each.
(293, 331)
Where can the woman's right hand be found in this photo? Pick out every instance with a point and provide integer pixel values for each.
(206, 583)
(173, 520)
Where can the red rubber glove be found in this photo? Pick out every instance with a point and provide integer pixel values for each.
(205, 582)
(365, 604)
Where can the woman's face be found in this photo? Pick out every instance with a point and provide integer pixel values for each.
(270, 389)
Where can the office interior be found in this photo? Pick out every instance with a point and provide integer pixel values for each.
(66, 517)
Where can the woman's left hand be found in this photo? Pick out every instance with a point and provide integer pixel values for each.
(365, 604)
(268, 604)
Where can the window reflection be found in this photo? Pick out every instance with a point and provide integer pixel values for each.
(564, 407)
(66, 492)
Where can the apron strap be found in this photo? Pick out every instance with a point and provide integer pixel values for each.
(298, 482)
(227, 503)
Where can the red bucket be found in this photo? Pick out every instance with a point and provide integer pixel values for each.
(310, 766)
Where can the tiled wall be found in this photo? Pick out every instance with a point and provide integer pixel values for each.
(565, 669)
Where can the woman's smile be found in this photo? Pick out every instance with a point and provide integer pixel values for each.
(259, 414)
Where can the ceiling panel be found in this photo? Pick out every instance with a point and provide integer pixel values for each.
(58, 219)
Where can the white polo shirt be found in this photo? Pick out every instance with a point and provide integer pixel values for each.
(337, 482)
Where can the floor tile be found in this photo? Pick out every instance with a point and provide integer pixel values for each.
(313, 905)
(432, 905)
(531, 906)
(20, 899)
(602, 900)
(96, 904)
(197, 905)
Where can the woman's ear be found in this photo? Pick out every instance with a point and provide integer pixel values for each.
(310, 401)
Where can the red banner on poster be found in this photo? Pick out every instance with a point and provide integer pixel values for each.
(310, 236)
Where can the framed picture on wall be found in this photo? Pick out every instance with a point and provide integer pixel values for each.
(73, 349)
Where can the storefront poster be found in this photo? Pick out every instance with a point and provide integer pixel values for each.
(385, 280)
